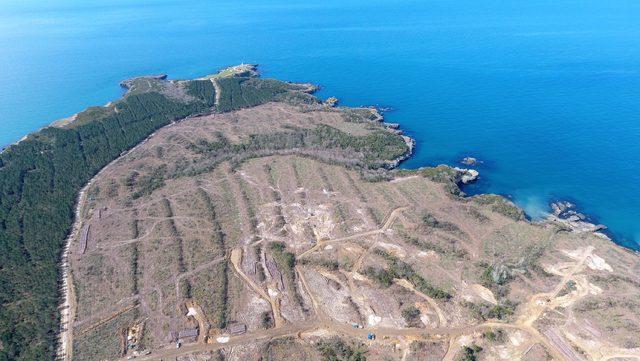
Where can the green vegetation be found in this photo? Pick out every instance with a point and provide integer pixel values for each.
(203, 90)
(251, 214)
(266, 319)
(412, 316)
(286, 259)
(370, 151)
(443, 174)
(475, 213)
(374, 146)
(341, 216)
(135, 253)
(222, 299)
(497, 336)
(360, 115)
(260, 273)
(500, 205)
(148, 183)
(133, 265)
(241, 92)
(286, 262)
(428, 220)
(440, 174)
(218, 237)
(485, 311)
(495, 276)
(185, 288)
(380, 275)
(257, 253)
(569, 287)
(429, 246)
(328, 264)
(280, 222)
(103, 342)
(39, 181)
(173, 231)
(211, 291)
(335, 349)
(470, 353)
(400, 269)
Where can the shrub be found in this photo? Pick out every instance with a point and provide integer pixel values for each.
(335, 349)
(411, 315)
(470, 353)
(266, 320)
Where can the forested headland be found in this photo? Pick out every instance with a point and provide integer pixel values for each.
(41, 176)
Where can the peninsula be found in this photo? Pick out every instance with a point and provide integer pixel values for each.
(233, 217)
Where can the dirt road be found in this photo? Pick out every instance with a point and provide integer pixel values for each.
(387, 224)
(525, 321)
(442, 320)
(236, 260)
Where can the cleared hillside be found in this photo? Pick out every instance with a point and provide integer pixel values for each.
(278, 229)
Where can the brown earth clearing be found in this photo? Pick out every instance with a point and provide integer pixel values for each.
(205, 244)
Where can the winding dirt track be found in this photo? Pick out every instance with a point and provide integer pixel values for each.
(321, 321)
(525, 320)
(387, 224)
(442, 320)
(236, 260)
(68, 306)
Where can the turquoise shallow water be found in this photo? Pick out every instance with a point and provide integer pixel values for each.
(545, 92)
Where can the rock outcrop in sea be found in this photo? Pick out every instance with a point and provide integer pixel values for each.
(467, 175)
(469, 161)
(565, 213)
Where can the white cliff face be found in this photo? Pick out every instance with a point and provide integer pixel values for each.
(467, 175)
(470, 176)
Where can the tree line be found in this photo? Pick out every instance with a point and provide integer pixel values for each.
(41, 176)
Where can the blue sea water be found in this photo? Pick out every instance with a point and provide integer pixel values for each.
(545, 92)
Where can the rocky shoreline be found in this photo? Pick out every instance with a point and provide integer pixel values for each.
(565, 214)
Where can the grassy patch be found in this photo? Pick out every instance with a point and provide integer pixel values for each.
(105, 341)
(399, 269)
(335, 349)
(146, 184)
(484, 311)
(429, 246)
(569, 287)
(286, 262)
(430, 221)
(210, 290)
(500, 205)
(411, 315)
(497, 335)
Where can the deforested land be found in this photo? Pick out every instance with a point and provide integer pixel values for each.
(233, 217)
